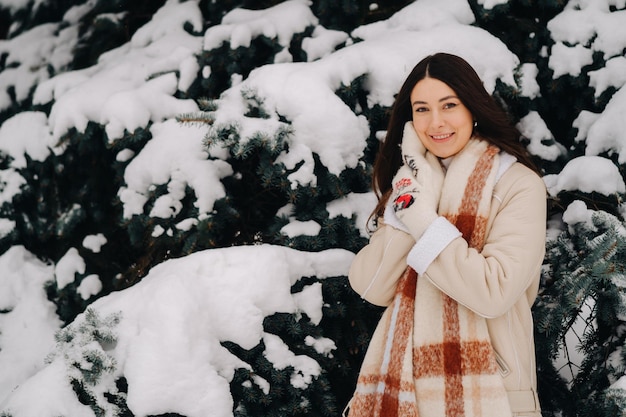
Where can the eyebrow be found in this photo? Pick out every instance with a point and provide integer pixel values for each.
(440, 100)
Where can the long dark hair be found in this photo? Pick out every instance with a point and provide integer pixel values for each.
(492, 122)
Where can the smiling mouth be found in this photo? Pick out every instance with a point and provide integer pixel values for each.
(442, 137)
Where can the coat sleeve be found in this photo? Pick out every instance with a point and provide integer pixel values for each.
(492, 281)
(377, 267)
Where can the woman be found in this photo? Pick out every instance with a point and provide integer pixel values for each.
(456, 256)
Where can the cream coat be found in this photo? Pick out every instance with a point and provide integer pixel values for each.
(500, 283)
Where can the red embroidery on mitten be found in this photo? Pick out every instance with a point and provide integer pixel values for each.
(403, 201)
(402, 183)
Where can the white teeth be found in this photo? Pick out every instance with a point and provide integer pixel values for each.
(441, 136)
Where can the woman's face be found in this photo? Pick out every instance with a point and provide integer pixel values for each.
(442, 122)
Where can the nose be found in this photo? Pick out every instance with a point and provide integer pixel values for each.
(436, 119)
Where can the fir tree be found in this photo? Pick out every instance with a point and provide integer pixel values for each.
(581, 313)
(83, 347)
(257, 191)
(583, 278)
(74, 194)
(104, 25)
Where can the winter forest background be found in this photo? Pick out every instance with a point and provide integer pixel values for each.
(183, 185)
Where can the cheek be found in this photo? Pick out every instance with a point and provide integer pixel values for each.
(466, 121)
(420, 128)
(419, 124)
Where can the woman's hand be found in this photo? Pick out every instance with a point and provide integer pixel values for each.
(417, 185)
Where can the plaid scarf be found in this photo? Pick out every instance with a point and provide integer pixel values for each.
(430, 356)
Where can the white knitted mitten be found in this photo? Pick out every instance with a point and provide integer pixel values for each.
(417, 185)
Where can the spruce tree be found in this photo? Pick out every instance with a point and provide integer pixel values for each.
(72, 195)
(580, 313)
(257, 192)
(580, 307)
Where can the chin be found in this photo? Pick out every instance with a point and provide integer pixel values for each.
(443, 154)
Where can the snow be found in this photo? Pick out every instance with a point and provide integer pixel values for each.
(280, 355)
(175, 156)
(94, 242)
(166, 26)
(587, 174)
(61, 401)
(322, 345)
(620, 383)
(591, 25)
(324, 124)
(490, 4)
(10, 184)
(439, 12)
(528, 80)
(358, 204)
(28, 56)
(26, 133)
(6, 227)
(67, 267)
(391, 56)
(612, 75)
(566, 60)
(606, 132)
(89, 286)
(29, 322)
(300, 228)
(15, 5)
(577, 212)
(172, 323)
(583, 122)
(169, 327)
(76, 13)
(322, 42)
(115, 93)
(535, 129)
(239, 26)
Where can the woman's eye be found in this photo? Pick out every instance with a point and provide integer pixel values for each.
(420, 109)
(449, 105)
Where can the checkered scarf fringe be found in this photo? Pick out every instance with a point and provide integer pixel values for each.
(430, 356)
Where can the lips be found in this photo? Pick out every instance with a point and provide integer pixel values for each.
(442, 136)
